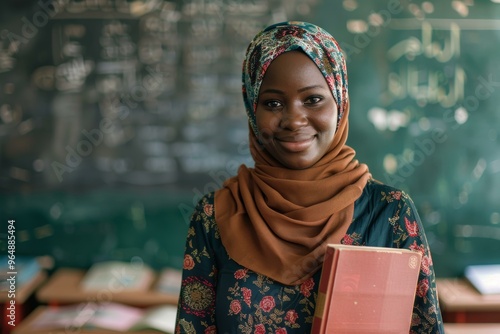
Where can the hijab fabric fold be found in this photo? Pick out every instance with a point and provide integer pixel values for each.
(274, 220)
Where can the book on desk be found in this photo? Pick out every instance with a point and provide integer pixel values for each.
(66, 286)
(366, 290)
(118, 275)
(485, 278)
(110, 297)
(94, 317)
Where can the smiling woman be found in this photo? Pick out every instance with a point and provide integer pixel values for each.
(296, 113)
(255, 247)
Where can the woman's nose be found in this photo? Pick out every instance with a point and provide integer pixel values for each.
(293, 117)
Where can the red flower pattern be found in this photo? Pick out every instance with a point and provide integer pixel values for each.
(423, 287)
(260, 329)
(426, 264)
(208, 209)
(291, 316)
(412, 227)
(281, 331)
(347, 240)
(306, 287)
(235, 306)
(211, 330)
(247, 295)
(267, 303)
(417, 248)
(188, 262)
(240, 273)
(396, 195)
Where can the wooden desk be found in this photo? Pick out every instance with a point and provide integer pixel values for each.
(26, 327)
(472, 328)
(64, 288)
(460, 302)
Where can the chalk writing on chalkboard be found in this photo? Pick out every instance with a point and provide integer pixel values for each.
(131, 90)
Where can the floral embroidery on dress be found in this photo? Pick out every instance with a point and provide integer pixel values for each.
(267, 303)
(247, 296)
(352, 239)
(260, 329)
(188, 262)
(187, 327)
(260, 312)
(423, 287)
(411, 227)
(391, 196)
(198, 295)
(291, 316)
(208, 209)
(241, 273)
(417, 248)
(210, 330)
(234, 307)
(306, 287)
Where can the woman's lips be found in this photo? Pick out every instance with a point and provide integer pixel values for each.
(295, 144)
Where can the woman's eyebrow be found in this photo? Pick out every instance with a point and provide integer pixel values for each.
(272, 90)
(309, 87)
(300, 90)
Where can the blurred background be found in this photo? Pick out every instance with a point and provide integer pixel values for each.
(116, 116)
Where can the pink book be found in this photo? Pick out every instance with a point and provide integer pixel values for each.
(366, 289)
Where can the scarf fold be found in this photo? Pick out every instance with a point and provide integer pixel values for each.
(274, 220)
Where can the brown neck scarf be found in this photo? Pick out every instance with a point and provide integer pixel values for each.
(277, 221)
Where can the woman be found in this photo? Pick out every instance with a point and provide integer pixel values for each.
(254, 248)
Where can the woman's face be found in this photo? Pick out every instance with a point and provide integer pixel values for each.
(296, 112)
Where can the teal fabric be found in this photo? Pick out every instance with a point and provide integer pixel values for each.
(220, 296)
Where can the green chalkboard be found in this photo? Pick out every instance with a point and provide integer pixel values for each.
(117, 115)
(425, 89)
(80, 228)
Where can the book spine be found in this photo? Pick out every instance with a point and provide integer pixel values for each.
(320, 311)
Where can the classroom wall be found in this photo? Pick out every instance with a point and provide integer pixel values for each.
(116, 116)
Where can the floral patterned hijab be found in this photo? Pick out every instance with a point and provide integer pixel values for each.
(318, 44)
(274, 220)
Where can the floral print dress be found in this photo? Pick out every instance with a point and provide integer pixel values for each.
(220, 296)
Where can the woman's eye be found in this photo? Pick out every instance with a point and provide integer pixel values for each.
(273, 104)
(313, 100)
